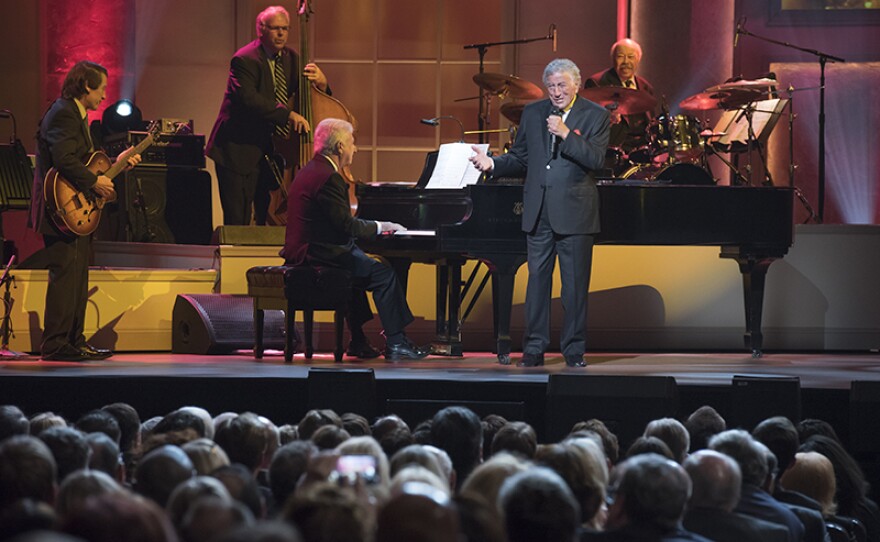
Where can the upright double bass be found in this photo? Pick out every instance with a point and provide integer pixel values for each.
(314, 105)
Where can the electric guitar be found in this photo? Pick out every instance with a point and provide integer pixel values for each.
(78, 212)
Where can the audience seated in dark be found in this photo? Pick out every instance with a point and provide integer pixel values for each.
(572, 464)
(703, 424)
(673, 433)
(288, 465)
(491, 423)
(537, 505)
(314, 419)
(187, 493)
(129, 426)
(486, 480)
(328, 437)
(245, 440)
(649, 445)
(457, 430)
(479, 520)
(416, 454)
(160, 471)
(44, 420)
(811, 426)
(81, 485)
(27, 470)
(105, 456)
(327, 512)
(24, 516)
(209, 517)
(115, 517)
(242, 487)
(206, 455)
(12, 422)
(263, 531)
(716, 481)
(420, 512)
(609, 439)
(355, 424)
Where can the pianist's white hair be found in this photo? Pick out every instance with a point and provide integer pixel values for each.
(563, 65)
(329, 133)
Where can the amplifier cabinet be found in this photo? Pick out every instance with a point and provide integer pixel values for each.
(167, 150)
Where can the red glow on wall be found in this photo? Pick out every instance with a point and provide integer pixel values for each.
(101, 31)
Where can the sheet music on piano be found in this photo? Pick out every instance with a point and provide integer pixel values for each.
(453, 169)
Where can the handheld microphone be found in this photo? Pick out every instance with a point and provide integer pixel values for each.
(553, 145)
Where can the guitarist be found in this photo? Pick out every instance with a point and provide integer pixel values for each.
(63, 141)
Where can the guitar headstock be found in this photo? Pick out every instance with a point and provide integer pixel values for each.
(304, 9)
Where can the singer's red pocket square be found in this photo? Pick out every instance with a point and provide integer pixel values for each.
(578, 132)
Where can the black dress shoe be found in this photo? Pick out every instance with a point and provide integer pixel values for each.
(95, 353)
(405, 350)
(575, 361)
(363, 350)
(530, 360)
(67, 353)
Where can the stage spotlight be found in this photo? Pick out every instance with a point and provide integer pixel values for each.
(123, 116)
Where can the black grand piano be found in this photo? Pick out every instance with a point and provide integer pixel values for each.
(752, 226)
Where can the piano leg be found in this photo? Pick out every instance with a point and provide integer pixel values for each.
(754, 272)
(448, 313)
(503, 268)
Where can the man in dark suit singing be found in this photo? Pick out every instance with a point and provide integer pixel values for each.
(560, 142)
(63, 141)
(322, 232)
(262, 78)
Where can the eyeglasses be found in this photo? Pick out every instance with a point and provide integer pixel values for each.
(276, 28)
(562, 87)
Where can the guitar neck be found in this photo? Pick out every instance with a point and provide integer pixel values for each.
(119, 165)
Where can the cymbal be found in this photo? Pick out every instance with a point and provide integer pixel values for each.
(509, 85)
(744, 84)
(705, 101)
(629, 101)
(512, 111)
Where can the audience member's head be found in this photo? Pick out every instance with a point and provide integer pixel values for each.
(24, 517)
(479, 519)
(811, 426)
(813, 475)
(486, 480)
(69, 447)
(324, 511)
(609, 439)
(188, 492)
(245, 440)
(44, 420)
(703, 424)
(129, 425)
(263, 531)
(208, 518)
(517, 438)
(416, 454)
(649, 492)
(119, 516)
(417, 473)
(457, 430)
(288, 465)
(287, 433)
(160, 471)
(355, 424)
(538, 506)
(673, 433)
(204, 415)
(849, 478)
(746, 451)
(572, 463)
(491, 424)
(421, 433)
(328, 437)
(206, 455)
(105, 456)
(387, 424)
(368, 446)
(418, 512)
(314, 419)
(243, 487)
(12, 422)
(781, 436)
(27, 470)
(716, 480)
(81, 485)
(99, 421)
(649, 445)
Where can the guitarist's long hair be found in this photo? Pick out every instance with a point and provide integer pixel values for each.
(81, 75)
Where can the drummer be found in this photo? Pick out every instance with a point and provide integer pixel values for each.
(629, 132)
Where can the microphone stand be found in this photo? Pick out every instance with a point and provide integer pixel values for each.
(481, 48)
(823, 59)
(6, 280)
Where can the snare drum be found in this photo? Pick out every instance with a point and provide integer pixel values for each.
(680, 133)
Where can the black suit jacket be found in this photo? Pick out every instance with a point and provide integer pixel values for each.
(724, 526)
(62, 143)
(631, 132)
(571, 195)
(320, 228)
(249, 113)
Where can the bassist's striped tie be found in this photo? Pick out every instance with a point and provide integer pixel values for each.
(282, 130)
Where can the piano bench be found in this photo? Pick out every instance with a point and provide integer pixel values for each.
(303, 288)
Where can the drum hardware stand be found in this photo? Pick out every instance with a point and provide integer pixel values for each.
(791, 165)
(483, 115)
(6, 280)
(823, 59)
(740, 178)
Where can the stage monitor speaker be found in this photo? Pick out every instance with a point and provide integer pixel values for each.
(756, 398)
(160, 205)
(624, 403)
(864, 417)
(221, 324)
(343, 390)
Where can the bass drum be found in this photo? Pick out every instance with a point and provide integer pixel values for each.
(689, 174)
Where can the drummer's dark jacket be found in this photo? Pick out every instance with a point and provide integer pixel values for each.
(631, 130)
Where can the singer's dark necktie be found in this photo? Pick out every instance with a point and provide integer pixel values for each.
(282, 130)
